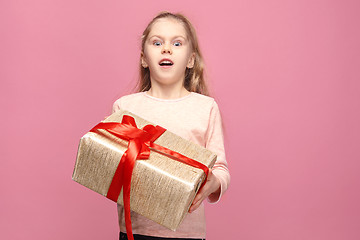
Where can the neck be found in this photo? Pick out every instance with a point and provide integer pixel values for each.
(167, 91)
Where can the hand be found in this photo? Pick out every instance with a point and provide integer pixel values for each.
(212, 185)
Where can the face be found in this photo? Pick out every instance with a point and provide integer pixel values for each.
(167, 52)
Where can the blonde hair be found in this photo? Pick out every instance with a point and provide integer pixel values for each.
(194, 77)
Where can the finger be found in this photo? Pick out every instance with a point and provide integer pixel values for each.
(195, 206)
(200, 195)
(210, 175)
(198, 199)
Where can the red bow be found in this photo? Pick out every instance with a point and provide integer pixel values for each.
(140, 142)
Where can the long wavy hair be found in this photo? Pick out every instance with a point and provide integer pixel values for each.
(194, 77)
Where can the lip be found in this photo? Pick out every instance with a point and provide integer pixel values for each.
(166, 66)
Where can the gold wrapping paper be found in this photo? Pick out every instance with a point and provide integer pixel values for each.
(162, 189)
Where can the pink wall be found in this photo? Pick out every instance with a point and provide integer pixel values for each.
(285, 74)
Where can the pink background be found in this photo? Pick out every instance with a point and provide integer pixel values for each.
(285, 74)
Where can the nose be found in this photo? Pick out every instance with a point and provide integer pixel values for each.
(166, 49)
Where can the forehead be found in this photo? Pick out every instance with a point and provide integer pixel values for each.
(168, 27)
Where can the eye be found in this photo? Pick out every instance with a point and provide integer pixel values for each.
(177, 43)
(157, 43)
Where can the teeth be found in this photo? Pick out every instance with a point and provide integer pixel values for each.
(166, 62)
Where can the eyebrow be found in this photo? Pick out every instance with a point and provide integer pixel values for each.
(178, 36)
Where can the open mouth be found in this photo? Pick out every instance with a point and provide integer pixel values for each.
(166, 62)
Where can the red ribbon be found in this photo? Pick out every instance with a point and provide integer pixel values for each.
(140, 142)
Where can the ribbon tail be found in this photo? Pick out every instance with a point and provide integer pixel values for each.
(132, 153)
(118, 181)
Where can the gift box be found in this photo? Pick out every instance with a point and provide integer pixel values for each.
(163, 182)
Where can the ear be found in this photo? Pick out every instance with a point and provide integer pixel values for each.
(191, 61)
(143, 61)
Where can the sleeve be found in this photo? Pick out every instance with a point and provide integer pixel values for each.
(215, 143)
(116, 106)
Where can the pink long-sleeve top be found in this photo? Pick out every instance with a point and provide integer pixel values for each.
(196, 118)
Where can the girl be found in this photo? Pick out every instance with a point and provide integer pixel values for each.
(172, 93)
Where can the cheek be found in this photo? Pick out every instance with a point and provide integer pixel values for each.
(149, 56)
(186, 59)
